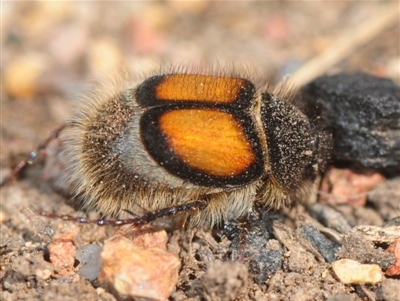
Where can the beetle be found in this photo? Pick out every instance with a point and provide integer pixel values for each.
(209, 145)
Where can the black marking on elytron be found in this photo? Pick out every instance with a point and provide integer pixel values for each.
(138, 221)
(146, 94)
(156, 143)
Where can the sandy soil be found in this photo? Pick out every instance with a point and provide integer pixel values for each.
(53, 51)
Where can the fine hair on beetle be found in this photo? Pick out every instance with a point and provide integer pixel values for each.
(201, 145)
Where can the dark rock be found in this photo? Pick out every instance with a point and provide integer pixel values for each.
(363, 114)
(325, 247)
(329, 217)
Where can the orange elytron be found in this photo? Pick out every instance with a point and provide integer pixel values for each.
(208, 140)
(199, 88)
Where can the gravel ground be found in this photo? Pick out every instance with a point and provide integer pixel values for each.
(53, 51)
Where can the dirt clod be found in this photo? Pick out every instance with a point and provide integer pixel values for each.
(225, 281)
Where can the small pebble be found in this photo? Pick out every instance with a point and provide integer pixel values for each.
(62, 253)
(394, 270)
(89, 257)
(44, 274)
(134, 270)
(352, 272)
